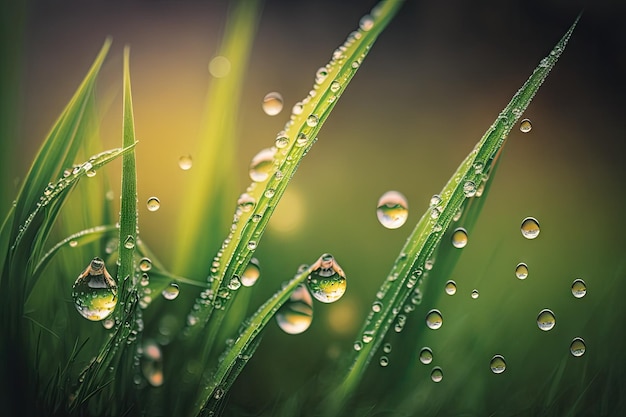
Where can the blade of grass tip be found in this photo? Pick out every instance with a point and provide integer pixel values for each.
(199, 221)
(298, 136)
(408, 269)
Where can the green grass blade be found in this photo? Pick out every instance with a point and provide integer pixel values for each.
(408, 270)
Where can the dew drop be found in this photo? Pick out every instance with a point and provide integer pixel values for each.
(525, 126)
(530, 228)
(497, 364)
(335, 86)
(387, 348)
(245, 202)
(73, 243)
(129, 242)
(366, 23)
(153, 204)
(296, 315)
(95, 291)
(426, 355)
(261, 165)
(312, 120)
(435, 200)
(450, 287)
(145, 264)
(579, 288)
(272, 103)
(301, 139)
(469, 189)
(91, 173)
(252, 245)
(392, 209)
(251, 273)
(434, 320)
(521, 271)
(384, 361)
(327, 281)
(145, 280)
(185, 162)
(436, 374)
(577, 347)
(358, 345)
(219, 67)
(108, 323)
(475, 294)
(298, 108)
(546, 320)
(377, 306)
(282, 140)
(459, 238)
(171, 292)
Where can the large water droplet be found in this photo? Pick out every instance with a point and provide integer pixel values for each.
(546, 320)
(296, 315)
(95, 291)
(272, 103)
(261, 165)
(450, 287)
(171, 291)
(577, 347)
(185, 162)
(327, 281)
(251, 273)
(129, 242)
(459, 238)
(525, 126)
(530, 228)
(497, 364)
(436, 374)
(434, 320)
(521, 271)
(392, 209)
(579, 288)
(426, 355)
(153, 204)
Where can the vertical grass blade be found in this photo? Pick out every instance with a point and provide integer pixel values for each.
(407, 272)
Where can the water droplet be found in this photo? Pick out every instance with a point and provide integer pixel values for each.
(469, 189)
(108, 323)
(296, 315)
(73, 243)
(153, 204)
(262, 164)
(301, 140)
(497, 364)
(579, 288)
(546, 320)
(384, 361)
(234, 283)
(312, 120)
(152, 363)
(252, 245)
(327, 281)
(145, 264)
(434, 320)
(578, 347)
(129, 242)
(426, 355)
(335, 86)
(459, 238)
(358, 345)
(91, 173)
(387, 348)
(171, 292)
(435, 200)
(251, 273)
(392, 210)
(530, 228)
(272, 103)
(525, 126)
(282, 140)
(145, 280)
(185, 162)
(219, 67)
(475, 294)
(95, 291)
(450, 288)
(436, 374)
(246, 202)
(298, 108)
(521, 271)
(366, 23)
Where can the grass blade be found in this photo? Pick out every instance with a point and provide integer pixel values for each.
(408, 270)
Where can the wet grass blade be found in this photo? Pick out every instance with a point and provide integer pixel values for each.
(407, 272)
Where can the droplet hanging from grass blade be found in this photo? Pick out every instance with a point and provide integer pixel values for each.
(459, 238)
(296, 315)
(525, 126)
(327, 281)
(95, 291)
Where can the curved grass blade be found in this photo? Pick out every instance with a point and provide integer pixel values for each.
(408, 269)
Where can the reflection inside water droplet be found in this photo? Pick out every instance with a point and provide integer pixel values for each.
(392, 209)
(145, 264)
(185, 162)
(296, 315)
(450, 288)
(95, 291)
(436, 374)
(475, 294)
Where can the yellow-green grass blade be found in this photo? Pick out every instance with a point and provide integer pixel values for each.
(407, 273)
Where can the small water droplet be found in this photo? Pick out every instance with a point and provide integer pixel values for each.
(129, 242)
(435, 200)
(426, 355)
(262, 164)
(459, 238)
(497, 364)
(73, 243)
(301, 140)
(577, 347)
(298, 108)
(521, 271)
(251, 273)
(469, 188)
(153, 204)
(530, 228)
(436, 374)
(450, 288)
(312, 120)
(384, 361)
(108, 323)
(145, 264)
(95, 291)
(366, 23)
(358, 345)
(219, 67)
(171, 292)
(91, 173)
(392, 209)
(246, 202)
(579, 288)
(525, 126)
(327, 281)
(234, 283)
(434, 320)
(296, 315)
(377, 306)
(546, 320)
(475, 294)
(252, 245)
(272, 103)
(145, 280)
(335, 86)
(185, 162)
(282, 140)
(387, 348)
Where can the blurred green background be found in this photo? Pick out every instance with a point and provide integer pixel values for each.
(432, 84)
